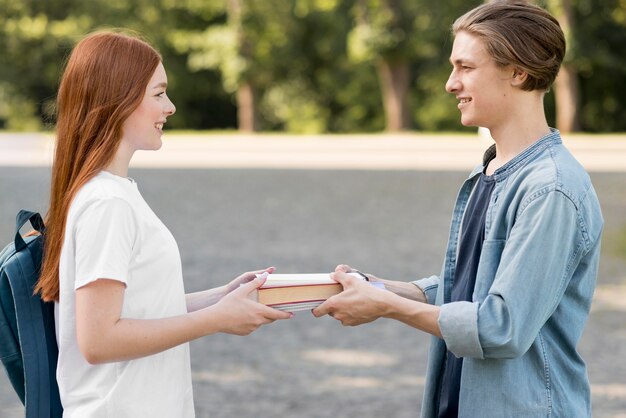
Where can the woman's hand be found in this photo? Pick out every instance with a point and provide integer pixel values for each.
(245, 278)
(206, 298)
(240, 315)
(104, 335)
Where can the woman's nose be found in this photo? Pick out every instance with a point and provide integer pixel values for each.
(170, 109)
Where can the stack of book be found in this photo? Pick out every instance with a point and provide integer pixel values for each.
(297, 292)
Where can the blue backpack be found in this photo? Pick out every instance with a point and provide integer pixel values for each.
(28, 347)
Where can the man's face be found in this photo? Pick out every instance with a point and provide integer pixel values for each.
(483, 88)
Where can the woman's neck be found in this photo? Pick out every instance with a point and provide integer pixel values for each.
(121, 161)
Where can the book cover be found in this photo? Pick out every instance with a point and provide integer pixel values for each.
(295, 292)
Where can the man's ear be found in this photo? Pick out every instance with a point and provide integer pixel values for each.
(518, 77)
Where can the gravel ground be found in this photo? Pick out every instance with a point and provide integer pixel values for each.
(390, 223)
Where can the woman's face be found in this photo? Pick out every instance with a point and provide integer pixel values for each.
(144, 127)
(484, 89)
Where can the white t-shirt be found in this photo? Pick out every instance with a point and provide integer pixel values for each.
(112, 233)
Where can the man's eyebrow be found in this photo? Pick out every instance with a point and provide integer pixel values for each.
(458, 61)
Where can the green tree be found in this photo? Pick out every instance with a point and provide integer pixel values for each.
(587, 94)
(566, 85)
(600, 57)
(408, 43)
(242, 46)
(382, 36)
(316, 87)
(36, 37)
(302, 65)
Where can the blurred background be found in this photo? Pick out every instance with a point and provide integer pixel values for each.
(372, 183)
(305, 66)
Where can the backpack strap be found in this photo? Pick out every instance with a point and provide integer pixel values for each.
(35, 323)
(10, 353)
(22, 217)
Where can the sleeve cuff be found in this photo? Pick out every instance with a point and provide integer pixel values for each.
(93, 276)
(429, 287)
(458, 322)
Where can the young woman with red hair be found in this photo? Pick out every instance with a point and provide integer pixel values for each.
(123, 320)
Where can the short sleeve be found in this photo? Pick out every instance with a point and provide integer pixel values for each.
(105, 233)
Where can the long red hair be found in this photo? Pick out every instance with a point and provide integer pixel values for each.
(103, 83)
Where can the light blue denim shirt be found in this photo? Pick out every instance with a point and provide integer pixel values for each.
(534, 285)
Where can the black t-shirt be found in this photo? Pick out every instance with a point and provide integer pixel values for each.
(470, 247)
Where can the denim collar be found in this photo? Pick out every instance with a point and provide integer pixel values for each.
(553, 138)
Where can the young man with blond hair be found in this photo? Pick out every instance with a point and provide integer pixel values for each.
(511, 302)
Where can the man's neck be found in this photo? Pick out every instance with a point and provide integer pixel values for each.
(511, 146)
(518, 133)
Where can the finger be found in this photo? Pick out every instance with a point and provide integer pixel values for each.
(251, 275)
(344, 268)
(252, 285)
(268, 270)
(246, 277)
(272, 314)
(276, 315)
(342, 278)
(259, 281)
(321, 310)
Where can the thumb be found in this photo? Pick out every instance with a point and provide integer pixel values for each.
(253, 284)
(343, 267)
(342, 278)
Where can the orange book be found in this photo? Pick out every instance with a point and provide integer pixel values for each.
(295, 292)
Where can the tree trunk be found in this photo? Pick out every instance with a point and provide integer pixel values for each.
(566, 87)
(246, 108)
(566, 95)
(247, 115)
(394, 84)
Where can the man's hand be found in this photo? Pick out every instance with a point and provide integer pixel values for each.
(359, 303)
(404, 289)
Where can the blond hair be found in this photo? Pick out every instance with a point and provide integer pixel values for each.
(519, 34)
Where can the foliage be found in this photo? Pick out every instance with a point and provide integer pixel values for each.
(313, 62)
(600, 57)
(36, 37)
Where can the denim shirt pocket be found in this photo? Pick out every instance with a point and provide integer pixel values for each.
(487, 267)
